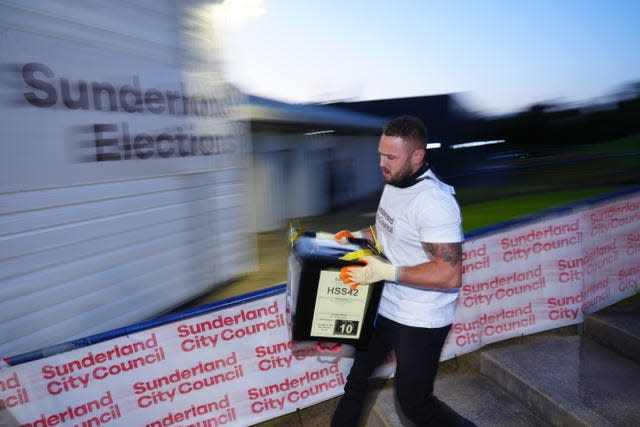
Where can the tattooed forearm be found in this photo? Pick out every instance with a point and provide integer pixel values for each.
(448, 252)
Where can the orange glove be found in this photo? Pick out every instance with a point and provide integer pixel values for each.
(375, 270)
(342, 235)
(328, 347)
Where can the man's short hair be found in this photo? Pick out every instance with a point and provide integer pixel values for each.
(409, 128)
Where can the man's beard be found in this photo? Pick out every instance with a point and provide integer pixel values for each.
(399, 176)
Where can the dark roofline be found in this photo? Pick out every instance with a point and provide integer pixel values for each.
(269, 112)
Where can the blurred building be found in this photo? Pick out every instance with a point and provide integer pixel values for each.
(446, 117)
(309, 159)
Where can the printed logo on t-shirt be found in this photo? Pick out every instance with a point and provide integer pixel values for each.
(384, 219)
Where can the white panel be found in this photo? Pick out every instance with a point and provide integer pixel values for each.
(90, 242)
(318, 197)
(361, 153)
(101, 23)
(308, 185)
(58, 122)
(270, 171)
(61, 276)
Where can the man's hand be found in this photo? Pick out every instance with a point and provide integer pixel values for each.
(375, 270)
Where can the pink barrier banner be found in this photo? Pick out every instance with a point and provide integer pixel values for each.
(232, 367)
(236, 366)
(546, 275)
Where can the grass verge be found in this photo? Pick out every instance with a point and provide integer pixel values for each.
(479, 215)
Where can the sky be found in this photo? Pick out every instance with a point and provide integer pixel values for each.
(498, 56)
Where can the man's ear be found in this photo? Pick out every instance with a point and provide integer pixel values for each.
(417, 157)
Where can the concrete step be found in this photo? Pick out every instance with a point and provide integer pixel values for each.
(384, 412)
(473, 397)
(480, 400)
(618, 328)
(568, 380)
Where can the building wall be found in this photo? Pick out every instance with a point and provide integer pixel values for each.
(97, 230)
(297, 176)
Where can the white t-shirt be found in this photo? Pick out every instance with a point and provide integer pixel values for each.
(425, 212)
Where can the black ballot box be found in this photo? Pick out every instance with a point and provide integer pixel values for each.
(320, 307)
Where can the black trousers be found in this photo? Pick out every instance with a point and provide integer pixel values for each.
(417, 353)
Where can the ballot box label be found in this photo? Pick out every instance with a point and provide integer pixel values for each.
(339, 310)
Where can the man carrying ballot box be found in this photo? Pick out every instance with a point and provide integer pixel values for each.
(418, 224)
